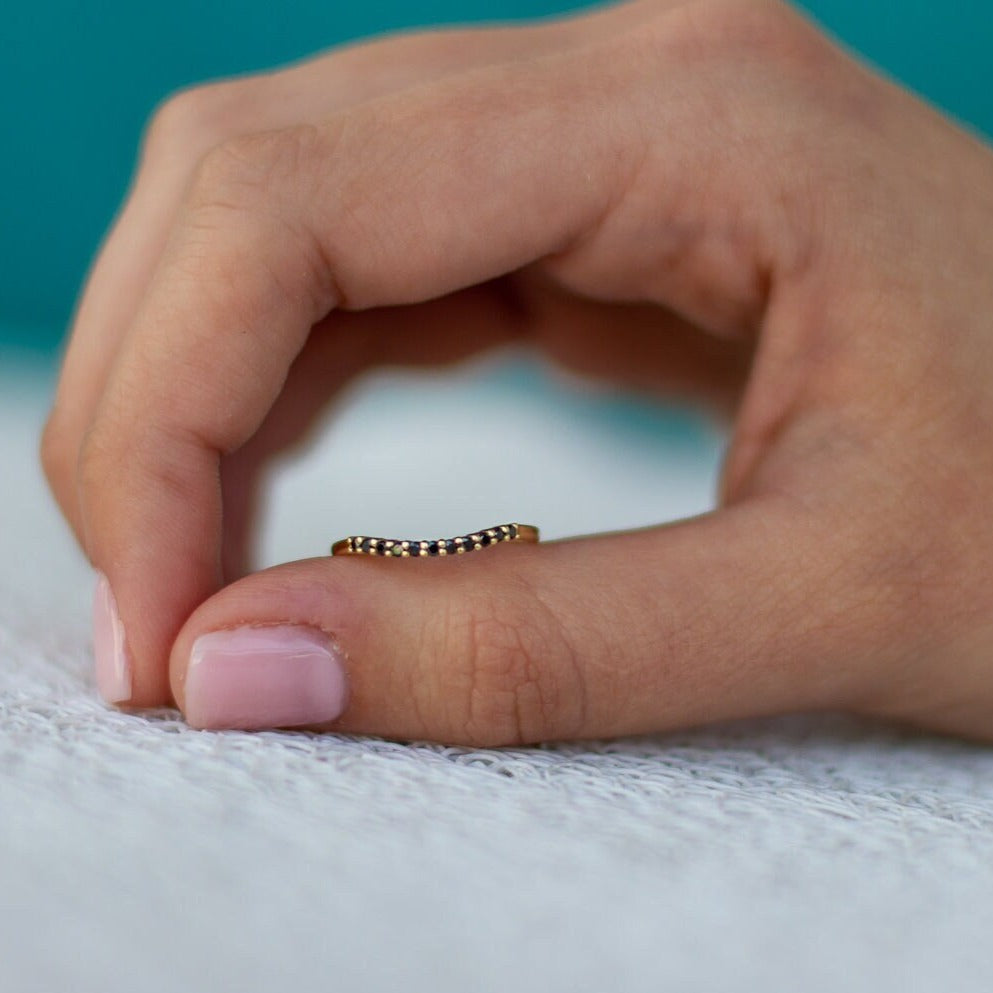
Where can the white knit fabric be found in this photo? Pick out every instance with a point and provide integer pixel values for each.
(801, 854)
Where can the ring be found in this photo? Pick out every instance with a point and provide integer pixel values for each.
(358, 544)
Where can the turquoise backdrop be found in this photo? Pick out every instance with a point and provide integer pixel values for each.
(78, 79)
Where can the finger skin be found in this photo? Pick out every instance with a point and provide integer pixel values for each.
(550, 162)
(235, 298)
(182, 132)
(567, 640)
(192, 122)
(822, 581)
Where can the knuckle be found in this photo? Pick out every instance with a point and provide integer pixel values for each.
(252, 196)
(739, 30)
(517, 677)
(767, 26)
(248, 169)
(190, 122)
(118, 452)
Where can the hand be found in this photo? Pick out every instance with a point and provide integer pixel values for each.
(705, 197)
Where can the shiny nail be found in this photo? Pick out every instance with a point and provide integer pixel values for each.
(264, 677)
(114, 669)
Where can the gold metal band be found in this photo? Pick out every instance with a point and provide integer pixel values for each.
(406, 549)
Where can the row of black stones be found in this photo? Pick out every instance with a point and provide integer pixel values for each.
(360, 545)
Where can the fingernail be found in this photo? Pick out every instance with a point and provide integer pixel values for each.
(110, 649)
(264, 677)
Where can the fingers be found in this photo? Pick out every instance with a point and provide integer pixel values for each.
(626, 633)
(246, 277)
(117, 281)
(194, 121)
(398, 201)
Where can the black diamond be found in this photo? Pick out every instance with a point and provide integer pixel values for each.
(381, 547)
(513, 530)
(432, 548)
(484, 540)
(451, 547)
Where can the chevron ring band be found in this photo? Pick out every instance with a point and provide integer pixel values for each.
(406, 548)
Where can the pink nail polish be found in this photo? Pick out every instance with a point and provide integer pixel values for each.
(113, 660)
(264, 677)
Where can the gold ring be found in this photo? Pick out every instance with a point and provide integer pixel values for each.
(400, 548)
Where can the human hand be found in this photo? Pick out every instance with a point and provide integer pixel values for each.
(705, 197)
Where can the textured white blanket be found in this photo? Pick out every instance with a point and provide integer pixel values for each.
(798, 854)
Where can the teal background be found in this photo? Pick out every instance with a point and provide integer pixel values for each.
(78, 79)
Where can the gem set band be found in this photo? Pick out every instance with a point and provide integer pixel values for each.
(403, 548)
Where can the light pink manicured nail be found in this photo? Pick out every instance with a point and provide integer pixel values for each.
(110, 649)
(264, 677)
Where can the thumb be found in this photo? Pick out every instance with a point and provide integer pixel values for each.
(624, 633)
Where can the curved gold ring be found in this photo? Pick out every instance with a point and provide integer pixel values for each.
(358, 544)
